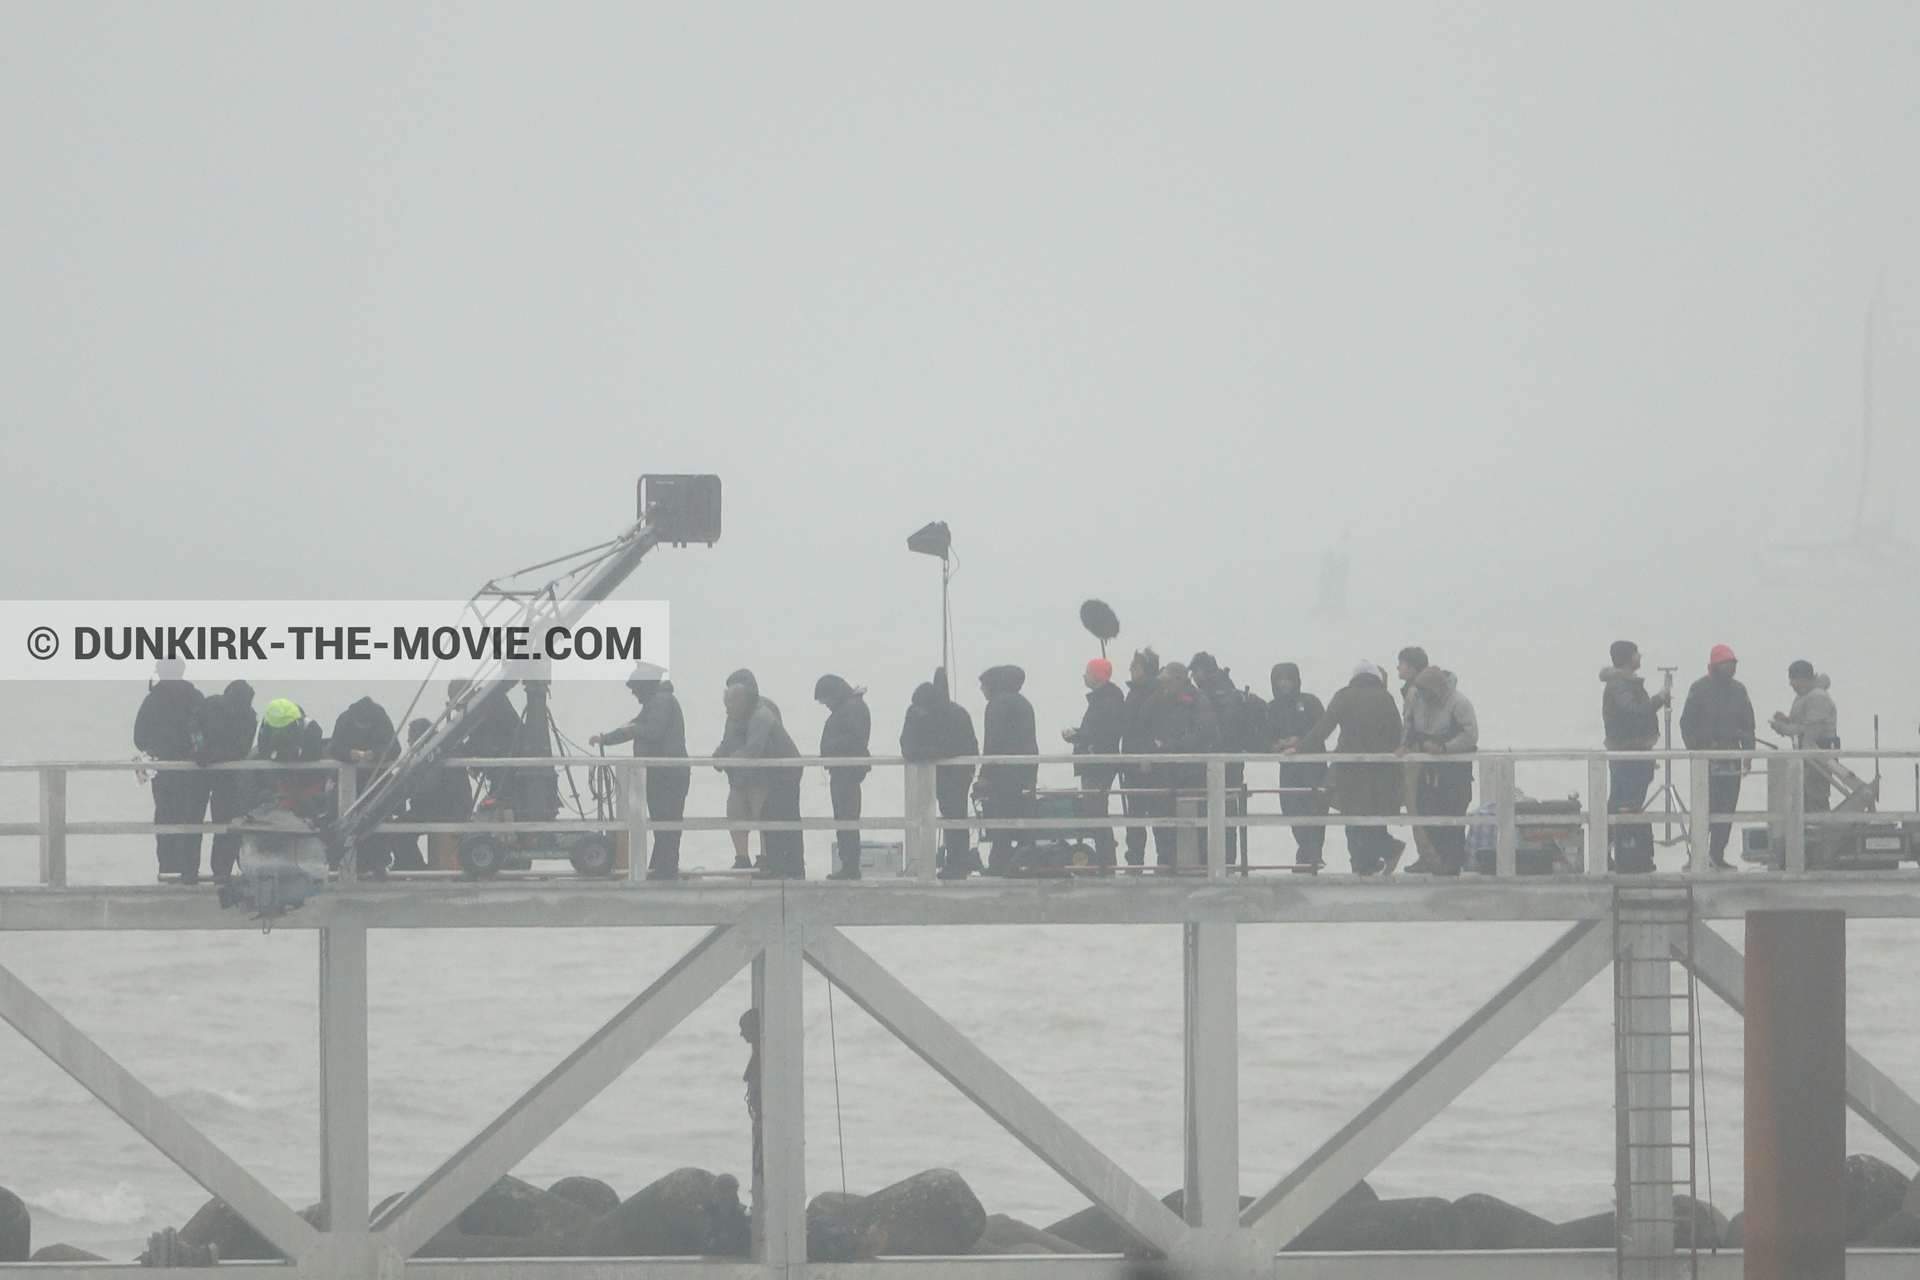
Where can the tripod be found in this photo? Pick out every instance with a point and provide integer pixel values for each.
(1668, 795)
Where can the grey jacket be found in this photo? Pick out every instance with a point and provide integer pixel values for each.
(1814, 721)
(659, 731)
(1437, 711)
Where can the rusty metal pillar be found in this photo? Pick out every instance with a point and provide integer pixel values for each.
(1796, 1224)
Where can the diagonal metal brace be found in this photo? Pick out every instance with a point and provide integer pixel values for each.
(576, 1081)
(77, 1055)
(990, 1087)
(1435, 1081)
(1891, 1110)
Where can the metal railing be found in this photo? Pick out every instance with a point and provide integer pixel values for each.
(921, 825)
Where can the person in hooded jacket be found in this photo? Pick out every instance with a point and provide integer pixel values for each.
(1006, 729)
(1181, 722)
(1439, 721)
(1630, 717)
(1718, 715)
(1369, 722)
(1242, 718)
(1813, 724)
(846, 733)
(658, 732)
(443, 795)
(938, 728)
(755, 731)
(160, 729)
(1141, 798)
(222, 728)
(1098, 735)
(364, 735)
(289, 737)
(1290, 717)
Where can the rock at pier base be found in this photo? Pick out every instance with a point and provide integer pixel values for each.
(591, 1194)
(1492, 1223)
(664, 1219)
(16, 1228)
(64, 1253)
(931, 1214)
(1875, 1191)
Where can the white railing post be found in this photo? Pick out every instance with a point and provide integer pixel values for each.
(639, 820)
(1186, 839)
(343, 1078)
(1506, 838)
(780, 1200)
(1216, 819)
(921, 838)
(53, 828)
(1699, 801)
(1212, 1075)
(1796, 807)
(345, 789)
(1599, 783)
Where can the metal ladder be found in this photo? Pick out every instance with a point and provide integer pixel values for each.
(1654, 1087)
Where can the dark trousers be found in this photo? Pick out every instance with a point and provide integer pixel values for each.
(1004, 798)
(1446, 789)
(1311, 841)
(224, 805)
(667, 802)
(1236, 808)
(843, 785)
(951, 784)
(1097, 779)
(1368, 849)
(180, 796)
(1723, 796)
(1178, 778)
(1627, 793)
(782, 849)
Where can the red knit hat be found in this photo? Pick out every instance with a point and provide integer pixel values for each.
(1721, 653)
(1100, 667)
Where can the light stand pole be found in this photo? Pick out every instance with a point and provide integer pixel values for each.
(936, 539)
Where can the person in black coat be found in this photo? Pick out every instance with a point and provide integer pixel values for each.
(1182, 722)
(1290, 717)
(179, 795)
(443, 795)
(1006, 730)
(1718, 715)
(364, 735)
(847, 730)
(938, 728)
(1098, 735)
(1136, 737)
(1242, 717)
(222, 728)
(658, 732)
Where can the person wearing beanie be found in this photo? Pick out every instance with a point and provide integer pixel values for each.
(1718, 716)
(222, 728)
(1368, 721)
(658, 732)
(1242, 717)
(847, 730)
(1440, 722)
(1182, 722)
(444, 796)
(179, 795)
(1136, 738)
(1098, 735)
(1630, 718)
(1290, 716)
(1813, 724)
(938, 728)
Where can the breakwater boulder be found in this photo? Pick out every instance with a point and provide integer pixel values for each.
(590, 1194)
(513, 1219)
(931, 1214)
(16, 1228)
(1875, 1192)
(666, 1218)
(64, 1253)
(216, 1227)
(1492, 1223)
(1005, 1235)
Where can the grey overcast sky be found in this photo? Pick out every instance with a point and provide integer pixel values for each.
(1150, 302)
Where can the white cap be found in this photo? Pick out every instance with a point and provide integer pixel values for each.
(647, 671)
(1364, 668)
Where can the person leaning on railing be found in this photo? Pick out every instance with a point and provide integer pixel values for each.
(658, 732)
(1813, 724)
(1006, 729)
(1719, 716)
(846, 733)
(179, 795)
(1369, 723)
(1290, 716)
(755, 731)
(938, 728)
(1631, 718)
(1439, 721)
